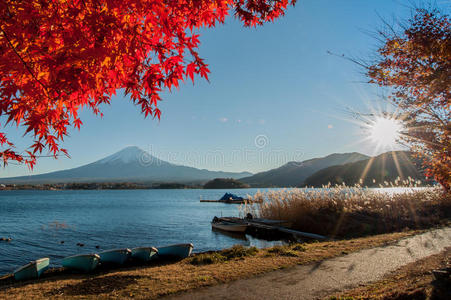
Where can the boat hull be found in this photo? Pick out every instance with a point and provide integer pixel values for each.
(144, 253)
(32, 270)
(117, 256)
(231, 227)
(178, 251)
(83, 262)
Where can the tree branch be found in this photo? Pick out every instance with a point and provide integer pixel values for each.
(23, 61)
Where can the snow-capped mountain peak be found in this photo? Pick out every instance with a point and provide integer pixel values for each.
(126, 155)
(130, 164)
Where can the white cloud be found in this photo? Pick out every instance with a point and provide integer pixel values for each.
(223, 120)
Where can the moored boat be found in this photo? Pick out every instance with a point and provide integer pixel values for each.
(32, 270)
(144, 253)
(178, 250)
(228, 226)
(116, 256)
(81, 262)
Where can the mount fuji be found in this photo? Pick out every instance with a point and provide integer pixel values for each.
(130, 164)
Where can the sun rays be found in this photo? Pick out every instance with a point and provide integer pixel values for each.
(385, 132)
(382, 129)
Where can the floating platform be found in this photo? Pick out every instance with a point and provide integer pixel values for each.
(230, 201)
(258, 221)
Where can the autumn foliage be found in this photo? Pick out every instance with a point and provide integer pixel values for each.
(415, 62)
(57, 56)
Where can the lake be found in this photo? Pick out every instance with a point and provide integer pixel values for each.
(38, 222)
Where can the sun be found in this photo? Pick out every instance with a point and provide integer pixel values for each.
(385, 132)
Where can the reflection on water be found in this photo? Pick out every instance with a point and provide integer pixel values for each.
(233, 235)
(398, 190)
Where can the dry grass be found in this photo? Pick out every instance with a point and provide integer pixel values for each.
(149, 282)
(413, 281)
(235, 252)
(294, 250)
(342, 211)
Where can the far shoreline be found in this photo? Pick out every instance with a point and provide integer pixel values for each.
(152, 186)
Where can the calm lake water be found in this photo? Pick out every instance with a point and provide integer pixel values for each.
(37, 222)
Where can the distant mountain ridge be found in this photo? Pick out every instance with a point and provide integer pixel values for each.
(130, 164)
(373, 171)
(134, 165)
(293, 174)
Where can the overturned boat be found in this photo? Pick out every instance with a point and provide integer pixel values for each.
(81, 262)
(32, 270)
(176, 251)
(115, 256)
(144, 253)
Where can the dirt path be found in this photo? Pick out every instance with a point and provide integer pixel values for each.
(321, 279)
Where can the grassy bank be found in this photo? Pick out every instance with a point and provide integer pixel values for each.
(413, 281)
(342, 211)
(152, 281)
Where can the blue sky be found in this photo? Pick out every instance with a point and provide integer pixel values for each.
(274, 95)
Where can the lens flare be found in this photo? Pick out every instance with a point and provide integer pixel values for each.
(385, 132)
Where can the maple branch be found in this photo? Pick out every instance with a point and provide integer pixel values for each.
(34, 156)
(68, 60)
(23, 61)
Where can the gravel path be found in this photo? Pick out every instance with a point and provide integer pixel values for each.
(323, 278)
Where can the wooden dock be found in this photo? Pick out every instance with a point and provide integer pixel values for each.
(229, 201)
(273, 229)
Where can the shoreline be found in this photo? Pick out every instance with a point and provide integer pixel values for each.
(201, 269)
(138, 186)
